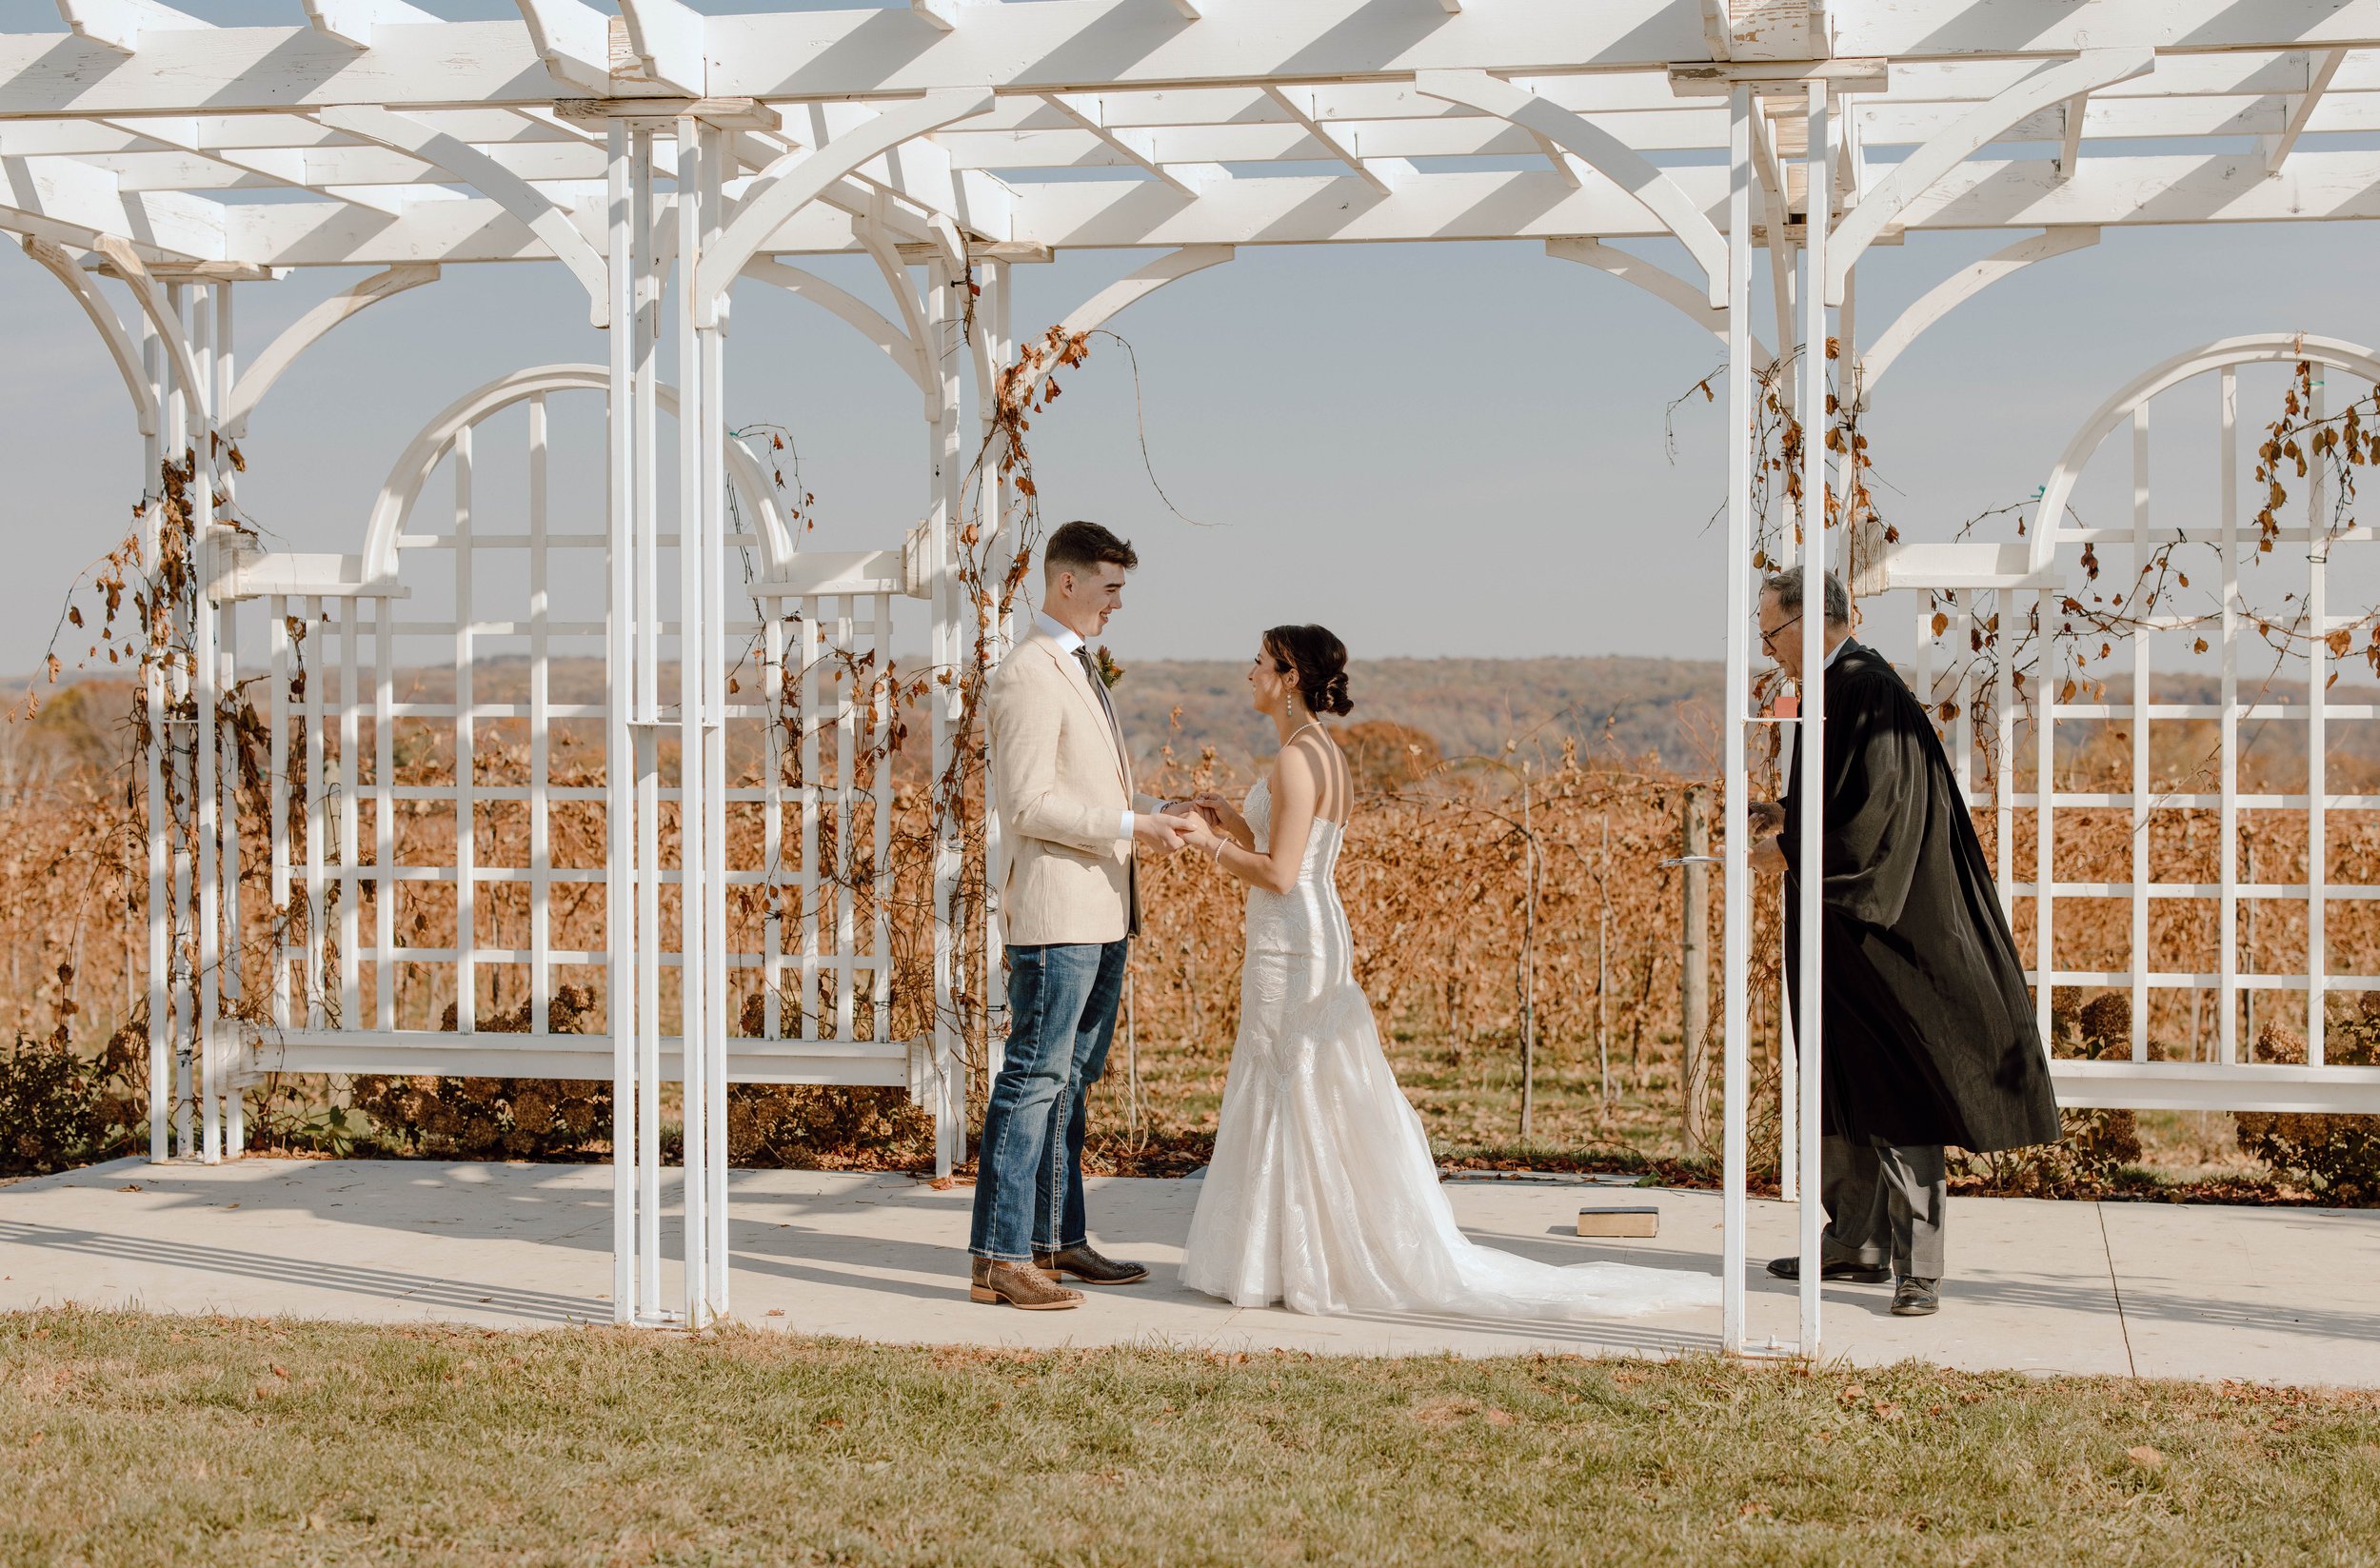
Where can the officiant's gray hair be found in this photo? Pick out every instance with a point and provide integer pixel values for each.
(1787, 587)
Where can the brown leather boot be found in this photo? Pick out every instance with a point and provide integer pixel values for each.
(1087, 1265)
(1020, 1285)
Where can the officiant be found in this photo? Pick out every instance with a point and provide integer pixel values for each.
(1929, 1033)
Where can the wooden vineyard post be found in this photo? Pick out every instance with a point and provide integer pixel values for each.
(1695, 971)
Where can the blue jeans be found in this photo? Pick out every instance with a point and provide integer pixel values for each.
(1028, 1184)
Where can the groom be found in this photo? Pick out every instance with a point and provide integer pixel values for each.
(1062, 781)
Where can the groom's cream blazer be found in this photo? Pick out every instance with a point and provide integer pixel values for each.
(1062, 783)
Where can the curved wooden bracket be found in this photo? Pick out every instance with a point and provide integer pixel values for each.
(308, 329)
(121, 347)
(1615, 159)
(794, 181)
(151, 295)
(1659, 282)
(1135, 286)
(851, 309)
(492, 179)
(1957, 289)
(870, 231)
(1987, 122)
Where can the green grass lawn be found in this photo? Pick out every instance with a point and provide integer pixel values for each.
(134, 1440)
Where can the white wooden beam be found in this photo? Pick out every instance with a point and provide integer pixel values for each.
(1616, 160)
(1135, 147)
(2068, 26)
(1066, 45)
(2278, 149)
(2322, 185)
(351, 21)
(1289, 100)
(663, 41)
(72, 203)
(302, 334)
(547, 220)
(118, 24)
(572, 39)
(1984, 124)
(942, 15)
(283, 167)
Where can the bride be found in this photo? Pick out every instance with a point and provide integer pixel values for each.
(1323, 1192)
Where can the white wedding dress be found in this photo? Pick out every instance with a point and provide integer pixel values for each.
(1323, 1192)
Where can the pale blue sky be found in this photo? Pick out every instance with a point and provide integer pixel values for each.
(1436, 450)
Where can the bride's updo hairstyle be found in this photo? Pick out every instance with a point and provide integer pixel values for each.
(1315, 663)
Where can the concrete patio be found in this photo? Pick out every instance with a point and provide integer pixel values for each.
(2120, 1289)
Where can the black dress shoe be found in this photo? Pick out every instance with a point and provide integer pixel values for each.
(1916, 1297)
(1088, 1266)
(1856, 1273)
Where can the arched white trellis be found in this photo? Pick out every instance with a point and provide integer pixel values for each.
(2032, 576)
(436, 442)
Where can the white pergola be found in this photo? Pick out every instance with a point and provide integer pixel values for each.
(666, 158)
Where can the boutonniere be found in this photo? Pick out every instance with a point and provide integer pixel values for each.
(1110, 671)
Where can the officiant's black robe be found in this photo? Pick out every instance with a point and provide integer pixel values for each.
(1929, 1031)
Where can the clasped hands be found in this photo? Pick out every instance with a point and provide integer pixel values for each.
(1767, 819)
(1203, 824)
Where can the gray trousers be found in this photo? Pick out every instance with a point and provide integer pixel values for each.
(1885, 1203)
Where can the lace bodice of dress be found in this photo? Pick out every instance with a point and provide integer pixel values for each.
(1308, 920)
(1321, 856)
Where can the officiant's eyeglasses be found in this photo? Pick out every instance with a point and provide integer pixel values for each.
(1769, 636)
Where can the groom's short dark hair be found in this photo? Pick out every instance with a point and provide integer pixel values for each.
(1078, 546)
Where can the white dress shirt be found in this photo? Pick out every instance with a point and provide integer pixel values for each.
(1070, 641)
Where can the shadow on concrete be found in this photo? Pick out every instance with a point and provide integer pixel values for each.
(425, 1290)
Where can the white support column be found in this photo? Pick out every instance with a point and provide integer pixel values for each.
(2141, 958)
(1813, 709)
(2317, 732)
(181, 423)
(153, 452)
(206, 672)
(710, 431)
(693, 750)
(2045, 703)
(945, 469)
(646, 623)
(636, 249)
(993, 330)
(2227, 834)
(277, 809)
(226, 653)
(620, 872)
(1736, 884)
